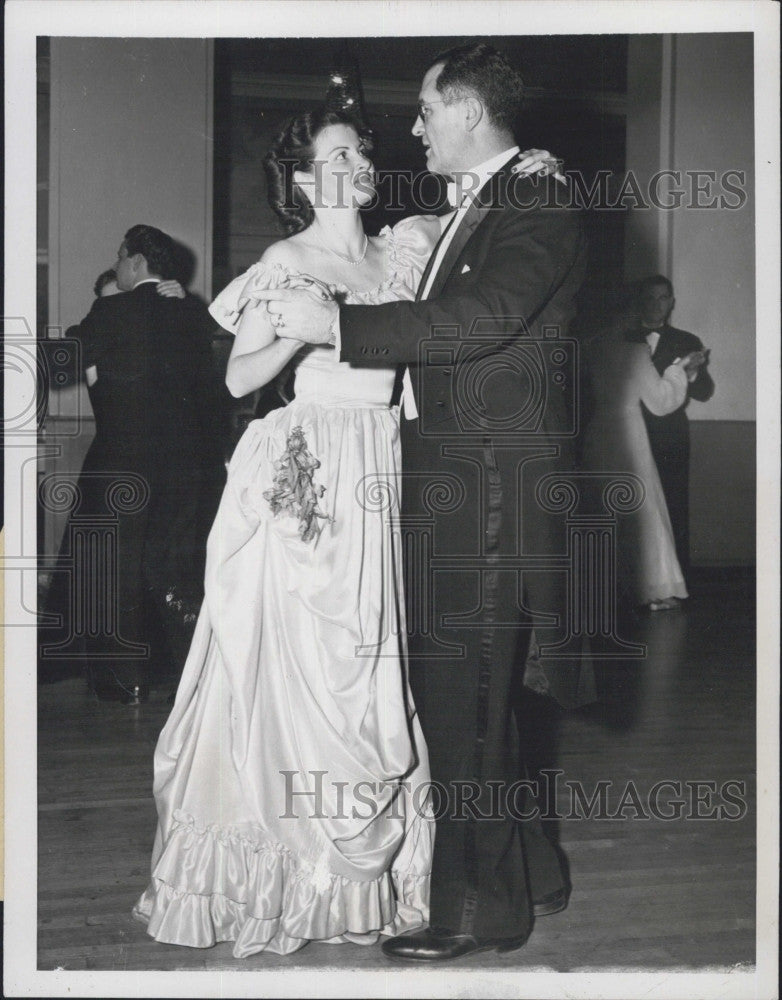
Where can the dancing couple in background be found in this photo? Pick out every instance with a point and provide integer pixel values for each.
(641, 373)
(149, 485)
(292, 779)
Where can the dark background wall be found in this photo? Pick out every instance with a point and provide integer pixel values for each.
(575, 108)
(602, 102)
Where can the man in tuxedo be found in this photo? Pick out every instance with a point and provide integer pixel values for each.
(484, 373)
(669, 436)
(154, 470)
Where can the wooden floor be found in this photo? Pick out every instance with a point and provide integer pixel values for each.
(647, 893)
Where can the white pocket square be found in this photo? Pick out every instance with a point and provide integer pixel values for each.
(465, 269)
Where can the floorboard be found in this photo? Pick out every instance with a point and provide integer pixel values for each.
(648, 893)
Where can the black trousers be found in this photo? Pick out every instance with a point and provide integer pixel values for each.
(98, 589)
(129, 578)
(669, 438)
(468, 631)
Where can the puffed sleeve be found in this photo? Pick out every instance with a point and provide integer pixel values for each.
(660, 394)
(227, 307)
(410, 245)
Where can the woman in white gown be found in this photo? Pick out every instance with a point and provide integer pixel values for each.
(621, 377)
(291, 777)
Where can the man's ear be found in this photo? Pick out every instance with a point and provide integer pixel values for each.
(473, 112)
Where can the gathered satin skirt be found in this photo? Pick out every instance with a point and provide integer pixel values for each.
(291, 778)
(646, 564)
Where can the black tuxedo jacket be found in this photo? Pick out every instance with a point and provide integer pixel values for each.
(491, 373)
(503, 292)
(155, 401)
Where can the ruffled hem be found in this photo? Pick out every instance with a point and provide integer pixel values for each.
(214, 884)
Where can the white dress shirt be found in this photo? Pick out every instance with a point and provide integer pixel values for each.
(463, 188)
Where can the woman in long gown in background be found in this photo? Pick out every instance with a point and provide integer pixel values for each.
(291, 776)
(622, 376)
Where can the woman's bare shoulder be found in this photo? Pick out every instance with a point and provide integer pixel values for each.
(289, 253)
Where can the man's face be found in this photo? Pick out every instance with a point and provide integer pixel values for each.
(125, 269)
(438, 127)
(656, 304)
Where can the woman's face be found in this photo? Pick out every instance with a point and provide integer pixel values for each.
(342, 175)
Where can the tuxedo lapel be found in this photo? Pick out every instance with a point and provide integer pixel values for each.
(469, 224)
(474, 215)
(485, 200)
(665, 350)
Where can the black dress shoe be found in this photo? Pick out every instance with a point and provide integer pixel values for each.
(555, 902)
(436, 945)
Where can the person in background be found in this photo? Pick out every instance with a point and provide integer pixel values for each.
(622, 381)
(106, 284)
(62, 585)
(155, 468)
(669, 434)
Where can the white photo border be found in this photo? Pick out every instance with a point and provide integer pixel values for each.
(25, 19)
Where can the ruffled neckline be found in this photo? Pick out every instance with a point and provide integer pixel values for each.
(408, 246)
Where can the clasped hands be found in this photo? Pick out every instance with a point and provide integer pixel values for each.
(693, 362)
(301, 308)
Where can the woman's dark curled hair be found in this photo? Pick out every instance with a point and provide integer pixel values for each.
(294, 149)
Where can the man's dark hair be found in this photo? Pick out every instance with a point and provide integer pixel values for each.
(484, 71)
(103, 279)
(654, 281)
(155, 246)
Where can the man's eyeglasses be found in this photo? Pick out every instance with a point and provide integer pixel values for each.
(424, 109)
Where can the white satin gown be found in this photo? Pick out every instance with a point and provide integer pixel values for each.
(622, 376)
(291, 777)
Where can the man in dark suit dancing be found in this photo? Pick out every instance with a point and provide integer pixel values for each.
(481, 349)
(154, 470)
(669, 436)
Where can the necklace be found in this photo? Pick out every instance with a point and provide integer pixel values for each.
(342, 257)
